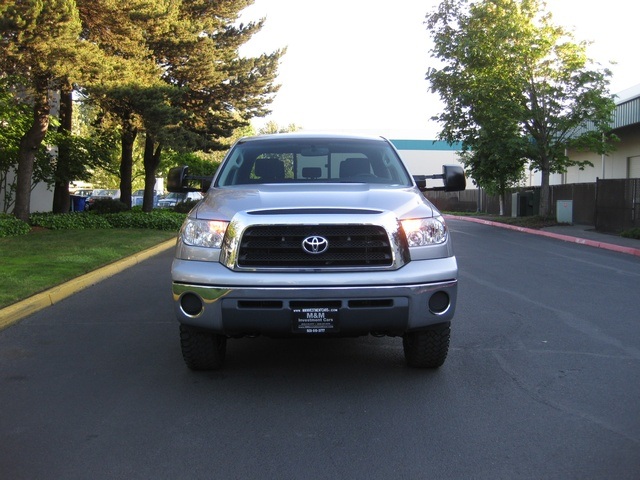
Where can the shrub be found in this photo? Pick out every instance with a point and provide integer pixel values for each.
(69, 221)
(107, 205)
(633, 233)
(156, 220)
(12, 227)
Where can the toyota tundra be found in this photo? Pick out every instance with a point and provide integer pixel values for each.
(314, 235)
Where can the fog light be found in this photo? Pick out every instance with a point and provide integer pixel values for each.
(439, 302)
(191, 304)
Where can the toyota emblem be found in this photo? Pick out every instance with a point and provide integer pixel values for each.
(315, 245)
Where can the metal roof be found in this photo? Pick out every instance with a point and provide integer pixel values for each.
(627, 108)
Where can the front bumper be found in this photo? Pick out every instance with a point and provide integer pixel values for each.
(209, 296)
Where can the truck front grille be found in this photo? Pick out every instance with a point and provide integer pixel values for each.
(281, 246)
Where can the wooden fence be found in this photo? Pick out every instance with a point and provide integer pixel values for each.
(609, 205)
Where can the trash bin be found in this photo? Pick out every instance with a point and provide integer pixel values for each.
(78, 203)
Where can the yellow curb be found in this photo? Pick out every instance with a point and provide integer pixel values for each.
(18, 311)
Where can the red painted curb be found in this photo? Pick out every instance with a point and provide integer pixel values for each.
(557, 236)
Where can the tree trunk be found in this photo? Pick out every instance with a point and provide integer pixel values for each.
(545, 191)
(129, 133)
(29, 145)
(151, 162)
(61, 198)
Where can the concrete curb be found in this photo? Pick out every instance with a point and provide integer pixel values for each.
(557, 236)
(18, 311)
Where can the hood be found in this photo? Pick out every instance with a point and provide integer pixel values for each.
(223, 203)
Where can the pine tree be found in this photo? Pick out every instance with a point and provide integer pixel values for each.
(40, 42)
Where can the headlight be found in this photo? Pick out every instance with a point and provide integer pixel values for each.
(203, 233)
(421, 232)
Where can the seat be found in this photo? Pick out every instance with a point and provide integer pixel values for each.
(352, 167)
(269, 169)
(312, 172)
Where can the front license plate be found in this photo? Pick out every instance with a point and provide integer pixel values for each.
(315, 320)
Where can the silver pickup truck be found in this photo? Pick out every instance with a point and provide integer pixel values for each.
(314, 235)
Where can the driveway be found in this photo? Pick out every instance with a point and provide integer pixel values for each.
(542, 381)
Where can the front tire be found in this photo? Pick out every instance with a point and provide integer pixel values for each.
(427, 348)
(202, 350)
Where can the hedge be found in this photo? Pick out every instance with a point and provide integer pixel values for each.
(167, 220)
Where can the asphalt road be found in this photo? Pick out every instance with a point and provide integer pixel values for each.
(542, 382)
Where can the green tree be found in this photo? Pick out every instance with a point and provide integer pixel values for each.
(201, 90)
(272, 127)
(516, 86)
(14, 121)
(215, 90)
(122, 31)
(40, 41)
(496, 162)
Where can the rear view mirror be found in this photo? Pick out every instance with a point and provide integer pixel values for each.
(314, 151)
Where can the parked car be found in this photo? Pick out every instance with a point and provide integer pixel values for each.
(101, 193)
(174, 198)
(137, 197)
(314, 236)
(82, 193)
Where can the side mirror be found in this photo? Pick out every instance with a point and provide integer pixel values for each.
(179, 180)
(452, 177)
(176, 179)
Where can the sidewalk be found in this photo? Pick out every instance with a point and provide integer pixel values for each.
(582, 234)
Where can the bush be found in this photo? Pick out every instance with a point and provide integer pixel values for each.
(155, 220)
(633, 233)
(107, 205)
(12, 227)
(69, 221)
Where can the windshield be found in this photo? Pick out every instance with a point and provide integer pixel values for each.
(305, 160)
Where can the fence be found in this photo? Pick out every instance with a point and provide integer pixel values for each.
(609, 205)
(617, 205)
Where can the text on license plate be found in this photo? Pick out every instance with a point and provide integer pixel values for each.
(315, 320)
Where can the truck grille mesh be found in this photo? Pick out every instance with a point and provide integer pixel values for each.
(280, 246)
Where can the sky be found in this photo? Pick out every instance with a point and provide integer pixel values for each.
(358, 66)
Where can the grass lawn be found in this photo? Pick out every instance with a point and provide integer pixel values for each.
(46, 258)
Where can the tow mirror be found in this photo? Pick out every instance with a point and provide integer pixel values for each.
(452, 177)
(453, 180)
(176, 178)
(179, 180)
